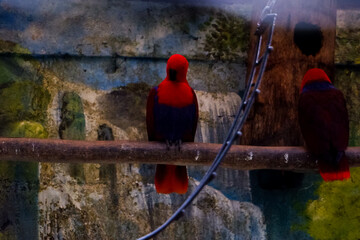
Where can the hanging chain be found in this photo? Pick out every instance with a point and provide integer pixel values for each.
(267, 21)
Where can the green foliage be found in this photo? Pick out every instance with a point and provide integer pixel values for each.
(336, 213)
(228, 37)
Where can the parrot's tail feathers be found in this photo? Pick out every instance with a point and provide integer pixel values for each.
(329, 172)
(171, 178)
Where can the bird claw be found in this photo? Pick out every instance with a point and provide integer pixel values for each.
(168, 145)
(176, 143)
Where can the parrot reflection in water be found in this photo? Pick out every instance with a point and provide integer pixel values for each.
(324, 124)
(171, 117)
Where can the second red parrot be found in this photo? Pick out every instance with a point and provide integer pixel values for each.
(324, 124)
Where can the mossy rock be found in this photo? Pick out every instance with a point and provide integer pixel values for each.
(19, 186)
(16, 67)
(72, 127)
(336, 212)
(348, 81)
(11, 47)
(347, 44)
(227, 38)
(23, 109)
(9, 71)
(26, 129)
(24, 100)
(72, 117)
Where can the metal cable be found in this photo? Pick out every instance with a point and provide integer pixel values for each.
(267, 20)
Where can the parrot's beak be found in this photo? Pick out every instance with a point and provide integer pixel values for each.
(172, 75)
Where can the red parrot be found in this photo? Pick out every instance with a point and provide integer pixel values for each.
(171, 116)
(324, 124)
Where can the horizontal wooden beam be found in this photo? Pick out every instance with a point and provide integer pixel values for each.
(198, 154)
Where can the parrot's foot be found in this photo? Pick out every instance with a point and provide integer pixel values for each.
(168, 145)
(176, 144)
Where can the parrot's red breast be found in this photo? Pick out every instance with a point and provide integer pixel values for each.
(172, 115)
(324, 124)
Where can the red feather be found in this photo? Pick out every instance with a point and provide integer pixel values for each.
(314, 74)
(172, 114)
(324, 124)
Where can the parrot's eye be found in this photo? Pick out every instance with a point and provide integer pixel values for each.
(172, 74)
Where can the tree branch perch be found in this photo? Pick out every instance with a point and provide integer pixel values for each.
(200, 154)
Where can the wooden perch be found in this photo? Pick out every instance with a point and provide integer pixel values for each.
(200, 154)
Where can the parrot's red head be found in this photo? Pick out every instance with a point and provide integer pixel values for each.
(176, 68)
(314, 75)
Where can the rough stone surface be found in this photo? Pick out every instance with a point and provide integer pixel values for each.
(107, 73)
(72, 117)
(92, 201)
(102, 44)
(24, 102)
(348, 37)
(102, 210)
(120, 186)
(19, 188)
(128, 28)
(26, 129)
(348, 81)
